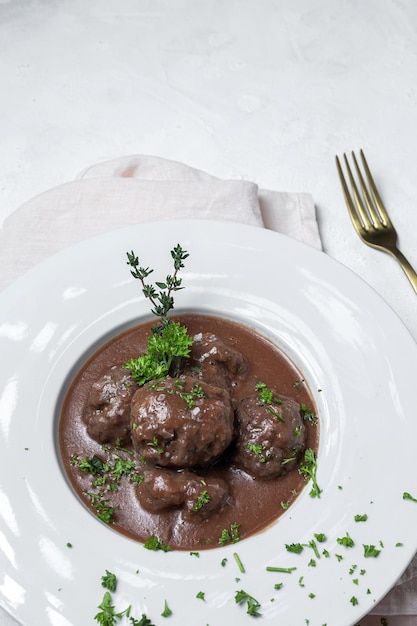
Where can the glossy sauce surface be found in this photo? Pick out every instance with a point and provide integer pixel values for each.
(255, 503)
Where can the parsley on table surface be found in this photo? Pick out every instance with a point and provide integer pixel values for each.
(408, 496)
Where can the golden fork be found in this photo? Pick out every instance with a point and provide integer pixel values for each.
(369, 215)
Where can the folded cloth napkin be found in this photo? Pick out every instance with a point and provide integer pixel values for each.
(136, 189)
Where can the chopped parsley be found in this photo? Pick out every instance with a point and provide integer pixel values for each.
(297, 548)
(203, 498)
(153, 543)
(346, 541)
(109, 581)
(231, 536)
(309, 470)
(408, 496)
(167, 611)
(252, 605)
(370, 551)
(267, 398)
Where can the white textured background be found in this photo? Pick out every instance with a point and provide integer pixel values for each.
(265, 90)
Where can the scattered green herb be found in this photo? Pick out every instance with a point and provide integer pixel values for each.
(257, 450)
(153, 543)
(309, 470)
(370, 551)
(109, 581)
(282, 570)
(408, 496)
(239, 562)
(231, 536)
(167, 611)
(294, 547)
(108, 615)
(267, 398)
(202, 499)
(253, 605)
(307, 414)
(361, 518)
(346, 541)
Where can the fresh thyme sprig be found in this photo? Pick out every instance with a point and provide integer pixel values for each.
(159, 294)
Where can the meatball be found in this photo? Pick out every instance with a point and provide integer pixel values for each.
(181, 422)
(215, 362)
(107, 410)
(270, 436)
(197, 497)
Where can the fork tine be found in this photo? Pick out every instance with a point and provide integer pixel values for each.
(372, 212)
(360, 207)
(383, 215)
(348, 199)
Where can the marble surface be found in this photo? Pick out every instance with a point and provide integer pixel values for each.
(266, 91)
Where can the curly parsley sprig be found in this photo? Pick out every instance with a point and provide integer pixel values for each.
(309, 470)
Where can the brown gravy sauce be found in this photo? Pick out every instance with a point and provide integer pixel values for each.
(256, 502)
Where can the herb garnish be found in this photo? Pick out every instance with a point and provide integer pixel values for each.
(309, 471)
(108, 616)
(370, 551)
(202, 499)
(161, 300)
(106, 476)
(253, 605)
(169, 341)
(346, 541)
(267, 398)
(232, 536)
(153, 543)
(408, 496)
(109, 581)
(167, 611)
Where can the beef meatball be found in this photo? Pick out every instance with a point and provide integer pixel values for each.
(196, 497)
(107, 410)
(181, 422)
(215, 362)
(270, 436)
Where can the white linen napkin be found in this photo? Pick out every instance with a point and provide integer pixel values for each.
(135, 189)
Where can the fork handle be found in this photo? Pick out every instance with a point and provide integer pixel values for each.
(408, 270)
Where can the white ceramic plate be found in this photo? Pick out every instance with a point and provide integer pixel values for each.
(346, 341)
